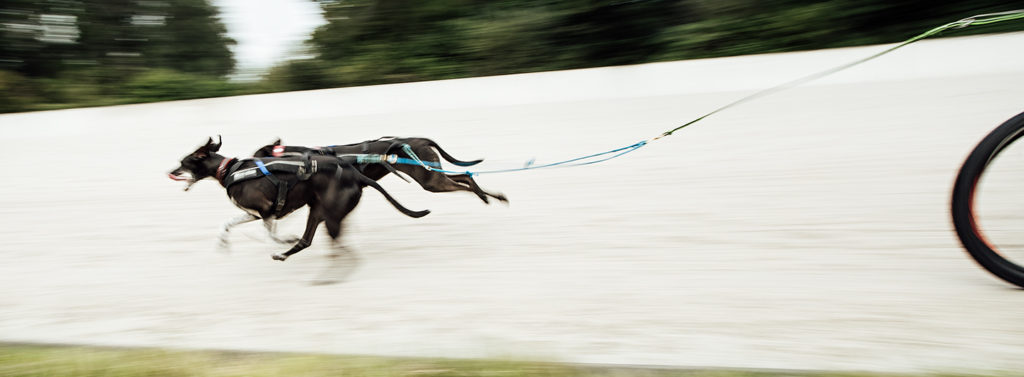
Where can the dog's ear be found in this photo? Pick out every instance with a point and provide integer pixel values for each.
(214, 147)
(204, 151)
(277, 142)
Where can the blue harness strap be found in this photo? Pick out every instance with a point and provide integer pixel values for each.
(261, 166)
(282, 186)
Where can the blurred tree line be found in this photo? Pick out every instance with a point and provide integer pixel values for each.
(60, 53)
(63, 53)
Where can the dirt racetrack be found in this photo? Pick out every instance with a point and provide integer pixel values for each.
(807, 230)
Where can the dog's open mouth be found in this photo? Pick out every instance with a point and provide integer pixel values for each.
(183, 177)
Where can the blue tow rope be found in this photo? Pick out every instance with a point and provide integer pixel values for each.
(409, 161)
(578, 161)
(981, 19)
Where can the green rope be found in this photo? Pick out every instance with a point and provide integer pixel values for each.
(981, 19)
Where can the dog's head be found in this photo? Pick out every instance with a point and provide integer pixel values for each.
(270, 150)
(199, 164)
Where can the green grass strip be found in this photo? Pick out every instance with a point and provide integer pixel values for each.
(41, 360)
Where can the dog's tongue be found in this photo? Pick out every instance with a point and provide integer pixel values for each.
(181, 178)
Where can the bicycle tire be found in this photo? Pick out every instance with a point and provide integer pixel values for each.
(964, 190)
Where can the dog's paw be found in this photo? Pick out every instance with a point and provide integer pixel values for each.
(279, 256)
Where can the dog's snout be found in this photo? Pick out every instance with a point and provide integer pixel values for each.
(180, 174)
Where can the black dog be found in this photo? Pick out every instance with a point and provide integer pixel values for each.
(424, 148)
(330, 188)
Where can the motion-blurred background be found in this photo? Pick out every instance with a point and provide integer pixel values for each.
(70, 53)
(806, 230)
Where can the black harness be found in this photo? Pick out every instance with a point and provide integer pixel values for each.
(301, 169)
(365, 149)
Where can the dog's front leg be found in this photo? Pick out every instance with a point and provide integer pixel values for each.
(271, 226)
(312, 222)
(224, 244)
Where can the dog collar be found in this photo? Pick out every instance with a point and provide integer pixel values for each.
(223, 168)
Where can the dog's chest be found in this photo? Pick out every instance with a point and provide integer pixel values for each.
(244, 208)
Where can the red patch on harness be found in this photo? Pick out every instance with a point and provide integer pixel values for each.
(278, 151)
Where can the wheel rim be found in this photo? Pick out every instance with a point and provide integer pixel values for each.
(994, 225)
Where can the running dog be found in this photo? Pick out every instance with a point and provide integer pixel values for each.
(330, 188)
(424, 148)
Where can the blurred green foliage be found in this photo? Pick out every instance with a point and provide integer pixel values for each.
(65, 53)
(387, 41)
(165, 85)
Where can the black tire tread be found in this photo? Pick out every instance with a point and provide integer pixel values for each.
(963, 188)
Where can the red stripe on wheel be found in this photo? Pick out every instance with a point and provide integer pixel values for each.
(974, 221)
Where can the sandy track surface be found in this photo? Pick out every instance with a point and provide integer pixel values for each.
(808, 230)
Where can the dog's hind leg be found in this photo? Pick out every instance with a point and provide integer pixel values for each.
(271, 226)
(438, 182)
(340, 265)
(312, 222)
(223, 243)
(469, 181)
(342, 261)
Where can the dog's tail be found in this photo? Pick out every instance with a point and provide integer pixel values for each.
(449, 157)
(408, 212)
